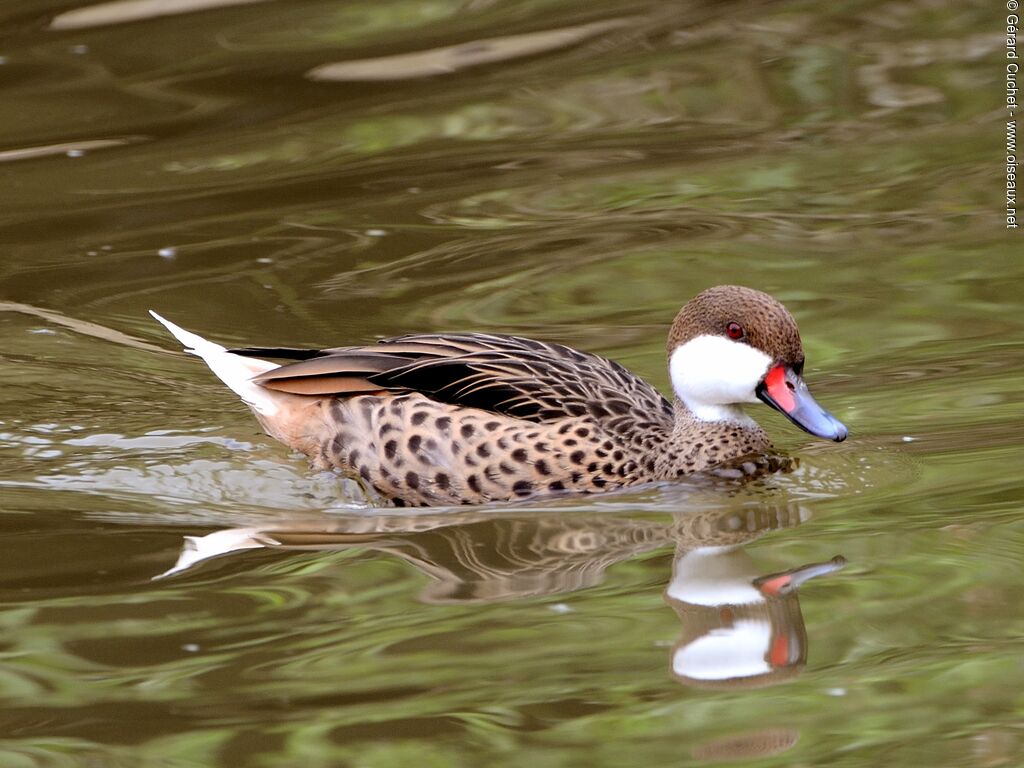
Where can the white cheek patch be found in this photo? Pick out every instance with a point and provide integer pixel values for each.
(712, 373)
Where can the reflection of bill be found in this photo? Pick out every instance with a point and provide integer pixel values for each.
(740, 628)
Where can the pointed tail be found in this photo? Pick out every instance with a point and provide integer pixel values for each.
(234, 370)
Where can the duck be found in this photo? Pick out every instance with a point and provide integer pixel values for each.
(444, 419)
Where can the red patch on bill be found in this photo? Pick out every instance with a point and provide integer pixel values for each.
(774, 586)
(777, 389)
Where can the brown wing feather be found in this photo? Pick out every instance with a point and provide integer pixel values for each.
(324, 385)
(352, 361)
(519, 377)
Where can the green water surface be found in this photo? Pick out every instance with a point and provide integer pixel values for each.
(571, 171)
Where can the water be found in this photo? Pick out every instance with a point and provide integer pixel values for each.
(568, 171)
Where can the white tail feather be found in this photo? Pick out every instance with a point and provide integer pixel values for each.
(234, 370)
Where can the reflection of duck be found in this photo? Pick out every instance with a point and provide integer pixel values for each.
(469, 557)
(435, 419)
(739, 629)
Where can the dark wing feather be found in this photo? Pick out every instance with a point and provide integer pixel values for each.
(278, 353)
(519, 377)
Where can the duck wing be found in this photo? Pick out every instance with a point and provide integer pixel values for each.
(523, 378)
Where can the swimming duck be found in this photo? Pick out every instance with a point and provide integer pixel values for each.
(467, 418)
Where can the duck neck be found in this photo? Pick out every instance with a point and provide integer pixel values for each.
(725, 418)
(710, 414)
(697, 443)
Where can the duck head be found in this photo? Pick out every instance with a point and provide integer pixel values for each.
(732, 345)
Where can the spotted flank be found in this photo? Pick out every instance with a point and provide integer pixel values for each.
(468, 418)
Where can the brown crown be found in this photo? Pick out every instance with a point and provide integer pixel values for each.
(767, 324)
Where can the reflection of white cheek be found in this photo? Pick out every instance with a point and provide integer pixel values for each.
(711, 371)
(726, 653)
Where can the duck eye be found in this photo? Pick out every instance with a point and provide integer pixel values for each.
(734, 330)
